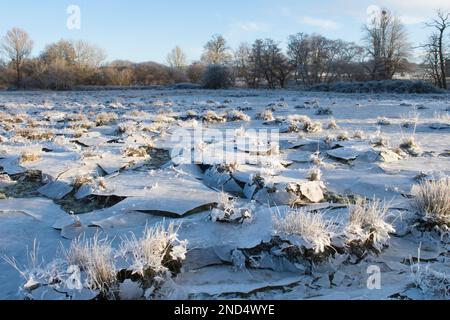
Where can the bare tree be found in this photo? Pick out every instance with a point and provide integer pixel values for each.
(298, 53)
(242, 62)
(216, 51)
(256, 70)
(61, 50)
(316, 59)
(17, 45)
(432, 61)
(88, 55)
(270, 62)
(88, 58)
(177, 58)
(387, 44)
(436, 56)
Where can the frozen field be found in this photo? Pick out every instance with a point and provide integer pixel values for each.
(114, 163)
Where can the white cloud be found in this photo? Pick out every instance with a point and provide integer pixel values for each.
(317, 22)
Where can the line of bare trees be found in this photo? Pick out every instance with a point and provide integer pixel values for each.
(437, 50)
(308, 59)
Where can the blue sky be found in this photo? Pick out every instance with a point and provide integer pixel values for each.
(143, 30)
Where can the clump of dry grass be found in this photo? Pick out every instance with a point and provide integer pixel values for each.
(75, 117)
(312, 127)
(296, 123)
(236, 115)
(408, 143)
(332, 125)
(343, 136)
(155, 257)
(82, 180)
(367, 227)
(105, 118)
(317, 160)
(95, 257)
(358, 134)
(138, 114)
(380, 141)
(162, 118)
(34, 271)
(228, 212)
(152, 254)
(34, 134)
(211, 116)
(383, 121)
(266, 115)
(30, 155)
(312, 228)
(429, 281)
(432, 201)
(321, 111)
(101, 183)
(83, 124)
(136, 151)
(329, 139)
(410, 146)
(315, 174)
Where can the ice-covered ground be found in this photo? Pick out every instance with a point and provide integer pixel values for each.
(114, 162)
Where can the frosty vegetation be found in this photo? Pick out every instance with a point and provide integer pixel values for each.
(432, 201)
(95, 265)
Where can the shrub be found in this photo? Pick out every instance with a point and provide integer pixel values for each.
(217, 77)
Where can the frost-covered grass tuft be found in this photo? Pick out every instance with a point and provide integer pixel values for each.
(380, 141)
(105, 118)
(81, 180)
(332, 125)
(136, 151)
(429, 281)
(409, 143)
(95, 257)
(34, 271)
(310, 227)
(31, 154)
(228, 211)
(343, 136)
(383, 121)
(315, 174)
(312, 127)
(432, 200)
(358, 134)
(324, 111)
(236, 115)
(211, 116)
(34, 134)
(101, 183)
(266, 115)
(156, 256)
(150, 254)
(367, 225)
